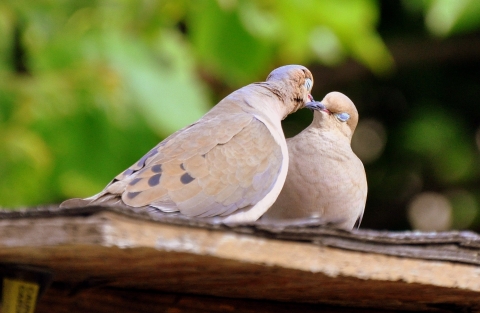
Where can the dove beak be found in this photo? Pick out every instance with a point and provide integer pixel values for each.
(316, 106)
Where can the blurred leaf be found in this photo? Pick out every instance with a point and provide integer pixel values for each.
(352, 22)
(446, 17)
(7, 29)
(239, 40)
(24, 163)
(223, 43)
(442, 140)
(162, 83)
(465, 208)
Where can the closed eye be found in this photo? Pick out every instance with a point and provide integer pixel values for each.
(308, 84)
(342, 117)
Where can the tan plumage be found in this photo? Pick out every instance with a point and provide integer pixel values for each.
(326, 181)
(230, 164)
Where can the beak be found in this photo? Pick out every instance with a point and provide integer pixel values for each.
(316, 105)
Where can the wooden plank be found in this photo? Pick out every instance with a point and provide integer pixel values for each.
(456, 246)
(111, 253)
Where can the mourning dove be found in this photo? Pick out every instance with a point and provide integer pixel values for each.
(230, 164)
(326, 181)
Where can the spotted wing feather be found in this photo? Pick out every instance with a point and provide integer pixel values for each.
(222, 170)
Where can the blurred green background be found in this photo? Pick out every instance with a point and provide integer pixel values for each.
(87, 87)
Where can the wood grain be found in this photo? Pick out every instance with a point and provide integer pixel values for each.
(107, 259)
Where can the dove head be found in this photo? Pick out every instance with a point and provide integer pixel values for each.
(292, 84)
(335, 111)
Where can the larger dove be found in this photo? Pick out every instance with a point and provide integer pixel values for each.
(231, 164)
(326, 181)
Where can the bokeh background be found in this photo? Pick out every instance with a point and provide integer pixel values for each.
(87, 87)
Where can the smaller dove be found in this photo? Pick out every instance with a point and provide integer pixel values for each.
(326, 181)
(230, 165)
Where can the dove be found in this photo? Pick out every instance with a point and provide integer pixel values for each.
(229, 165)
(326, 181)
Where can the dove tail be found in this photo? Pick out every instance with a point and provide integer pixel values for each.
(74, 203)
(101, 199)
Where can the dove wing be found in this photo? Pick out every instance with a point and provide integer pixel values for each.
(208, 169)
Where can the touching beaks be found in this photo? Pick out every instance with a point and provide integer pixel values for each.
(316, 105)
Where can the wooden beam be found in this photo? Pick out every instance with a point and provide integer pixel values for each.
(111, 253)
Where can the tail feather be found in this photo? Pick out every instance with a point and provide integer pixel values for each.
(74, 203)
(101, 199)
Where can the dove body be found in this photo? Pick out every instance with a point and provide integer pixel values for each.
(229, 166)
(326, 181)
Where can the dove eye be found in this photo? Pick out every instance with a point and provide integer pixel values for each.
(342, 117)
(308, 83)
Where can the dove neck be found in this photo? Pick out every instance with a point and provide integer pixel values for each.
(262, 101)
(257, 102)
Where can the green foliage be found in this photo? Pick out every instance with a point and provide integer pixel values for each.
(446, 17)
(240, 40)
(440, 137)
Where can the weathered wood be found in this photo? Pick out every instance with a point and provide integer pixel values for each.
(100, 257)
(457, 246)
